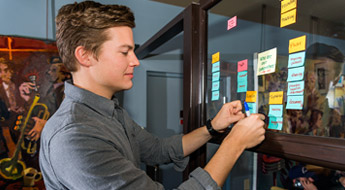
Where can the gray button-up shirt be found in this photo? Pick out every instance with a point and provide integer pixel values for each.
(92, 143)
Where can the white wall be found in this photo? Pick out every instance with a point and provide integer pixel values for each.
(28, 18)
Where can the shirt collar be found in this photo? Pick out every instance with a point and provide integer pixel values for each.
(99, 103)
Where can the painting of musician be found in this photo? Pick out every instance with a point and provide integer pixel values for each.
(31, 89)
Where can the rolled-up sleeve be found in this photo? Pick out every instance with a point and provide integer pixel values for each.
(199, 179)
(154, 150)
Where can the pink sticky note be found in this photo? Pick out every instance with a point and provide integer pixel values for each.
(232, 22)
(242, 65)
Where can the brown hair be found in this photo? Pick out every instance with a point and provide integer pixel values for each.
(85, 24)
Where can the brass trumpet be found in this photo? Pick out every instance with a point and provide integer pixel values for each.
(12, 168)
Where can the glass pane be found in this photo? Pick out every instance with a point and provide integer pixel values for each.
(308, 67)
(309, 71)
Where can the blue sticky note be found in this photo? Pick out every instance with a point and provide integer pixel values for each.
(242, 86)
(215, 85)
(295, 74)
(296, 59)
(242, 77)
(215, 76)
(215, 67)
(275, 111)
(295, 88)
(275, 123)
(294, 102)
(215, 95)
(252, 107)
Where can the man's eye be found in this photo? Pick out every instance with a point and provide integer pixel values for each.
(125, 53)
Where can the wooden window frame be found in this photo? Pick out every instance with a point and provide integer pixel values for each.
(193, 21)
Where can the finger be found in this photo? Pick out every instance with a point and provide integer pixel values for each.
(261, 116)
(237, 106)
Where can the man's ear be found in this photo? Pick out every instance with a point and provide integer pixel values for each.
(83, 56)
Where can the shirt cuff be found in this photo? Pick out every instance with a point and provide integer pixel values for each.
(177, 156)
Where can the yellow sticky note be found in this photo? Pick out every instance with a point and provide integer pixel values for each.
(297, 44)
(215, 57)
(288, 18)
(287, 5)
(276, 98)
(251, 96)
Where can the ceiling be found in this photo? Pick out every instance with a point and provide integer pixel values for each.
(318, 8)
(330, 17)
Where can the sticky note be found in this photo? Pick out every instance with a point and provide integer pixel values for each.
(295, 88)
(275, 110)
(295, 74)
(242, 65)
(297, 44)
(275, 123)
(215, 66)
(294, 102)
(276, 97)
(242, 86)
(215, 85)
(251, 96)
(242, 77)
(215, 95)
(215, 57)
(232, 22)
(287, 5)
(252, 107)
(215, 76)
(288, 18)
(296, 59)
(267, 61)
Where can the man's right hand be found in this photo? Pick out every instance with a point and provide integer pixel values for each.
(25, 88)
(248, 132)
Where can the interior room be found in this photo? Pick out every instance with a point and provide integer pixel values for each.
(280, 61)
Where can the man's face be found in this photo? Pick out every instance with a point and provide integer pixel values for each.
(54, 73)
(330, 70)
(113, 70)
(5, 73)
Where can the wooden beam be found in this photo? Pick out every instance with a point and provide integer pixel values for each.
(169, 31)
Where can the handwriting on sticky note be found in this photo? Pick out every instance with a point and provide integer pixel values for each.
(267, 61)
(288, 18)
(215, 76)
(251, 96)
(242, 86)
(297, 44)
(215, 85)
(276, 97)
(215, 67)
(275, 123)
(215, 95)
(275, 110)
(294, 102)
(287, 5)
(296, 59)
(242, 77)
(215, 57)
(295, 74)
(232, 22)
(295, 88)
(242, 65)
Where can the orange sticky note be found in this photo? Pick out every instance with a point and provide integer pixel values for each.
(276, 98)
(287, 5)
(215, 57)
(288, 18)
(251, 96)
(297, 44)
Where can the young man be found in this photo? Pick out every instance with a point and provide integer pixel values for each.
(91, 142)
